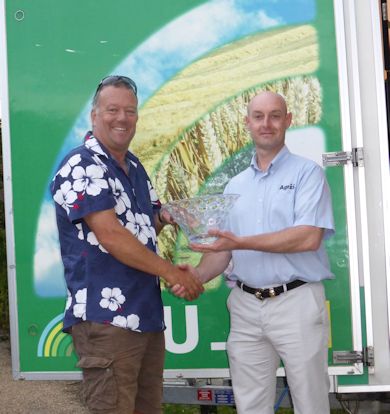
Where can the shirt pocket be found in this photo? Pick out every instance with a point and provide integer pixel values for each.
(281, 213)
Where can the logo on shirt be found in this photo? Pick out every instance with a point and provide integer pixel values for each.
(287, 187)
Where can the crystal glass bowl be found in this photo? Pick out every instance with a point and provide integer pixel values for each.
(197, 215)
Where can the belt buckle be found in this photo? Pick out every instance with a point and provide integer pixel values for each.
(259, 294)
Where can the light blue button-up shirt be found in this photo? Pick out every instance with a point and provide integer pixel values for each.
(293, 191)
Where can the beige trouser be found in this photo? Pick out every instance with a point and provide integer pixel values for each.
(292, 327)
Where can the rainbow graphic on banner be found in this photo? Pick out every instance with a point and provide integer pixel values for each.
(53, 342)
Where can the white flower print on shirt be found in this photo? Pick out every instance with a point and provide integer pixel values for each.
(131, 322)
(80, 234)
(152, 192)
(112, 299)
(91, 239)
(140, 226)
(99, 162)
(89, 180)
(67, 168)
(65, 196)
(68, 299)
(80, 308)
(154, 234)
(122, 199)
(94, 145)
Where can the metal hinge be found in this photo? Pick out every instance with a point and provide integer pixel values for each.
(354, 357)
(335, 159)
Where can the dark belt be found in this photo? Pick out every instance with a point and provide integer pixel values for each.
(271, 292)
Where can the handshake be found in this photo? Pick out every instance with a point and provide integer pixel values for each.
(185, 282)
(201, 219)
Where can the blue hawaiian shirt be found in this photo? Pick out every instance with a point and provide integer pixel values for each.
(100, 288)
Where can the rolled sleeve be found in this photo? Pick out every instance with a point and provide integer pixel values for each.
(313, 202)
(82, 189)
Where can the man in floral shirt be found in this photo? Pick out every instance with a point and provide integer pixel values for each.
(108, 217)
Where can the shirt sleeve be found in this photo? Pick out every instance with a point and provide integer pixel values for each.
(313, 203)
(81, 187)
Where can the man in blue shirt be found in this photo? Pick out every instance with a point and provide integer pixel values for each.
(108, 217)
(275, 240)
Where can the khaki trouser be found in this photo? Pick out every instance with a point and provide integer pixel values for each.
(122, 369)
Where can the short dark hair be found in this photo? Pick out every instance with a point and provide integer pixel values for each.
(114, 80)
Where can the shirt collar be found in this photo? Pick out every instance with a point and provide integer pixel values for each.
(94, 145)
(278, 159)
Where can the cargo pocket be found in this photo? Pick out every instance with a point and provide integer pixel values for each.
(100, 390)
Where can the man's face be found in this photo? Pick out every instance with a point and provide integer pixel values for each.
(114, 118)
(267, 121)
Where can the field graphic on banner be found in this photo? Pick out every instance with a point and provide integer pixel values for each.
(217, 146)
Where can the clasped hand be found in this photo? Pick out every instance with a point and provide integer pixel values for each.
(181, 290)
(190, 287)
(187, 285)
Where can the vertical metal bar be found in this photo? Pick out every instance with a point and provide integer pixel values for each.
(8, 203)
(348, 173)
(360, 172)
(383, 142)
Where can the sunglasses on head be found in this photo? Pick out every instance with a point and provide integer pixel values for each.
(115, 80)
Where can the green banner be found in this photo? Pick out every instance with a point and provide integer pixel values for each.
(196, 63)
